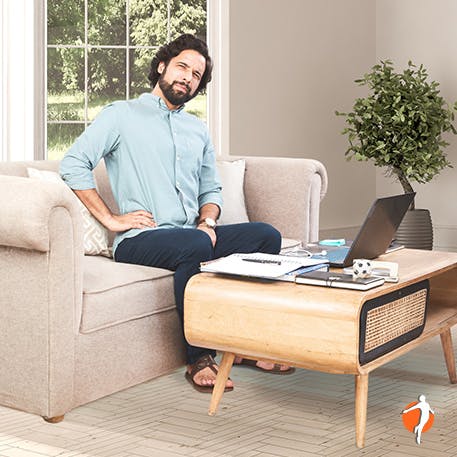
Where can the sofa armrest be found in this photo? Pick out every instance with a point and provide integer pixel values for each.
(25, 207)
(286, 192)
(41, 253)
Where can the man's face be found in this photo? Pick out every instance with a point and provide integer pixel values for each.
(180, 79)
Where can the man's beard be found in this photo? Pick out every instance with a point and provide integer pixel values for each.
(175, 98)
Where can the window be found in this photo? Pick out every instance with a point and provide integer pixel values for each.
(100, 50)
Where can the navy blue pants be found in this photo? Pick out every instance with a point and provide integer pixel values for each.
(181, 250)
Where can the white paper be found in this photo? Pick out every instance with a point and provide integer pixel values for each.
(236, 265)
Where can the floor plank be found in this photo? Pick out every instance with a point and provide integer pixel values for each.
(305, 414)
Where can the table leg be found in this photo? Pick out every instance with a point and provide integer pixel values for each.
(221, 379)
(361, 403)
(446, 343)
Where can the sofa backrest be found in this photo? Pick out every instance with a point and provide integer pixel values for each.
(284, 192)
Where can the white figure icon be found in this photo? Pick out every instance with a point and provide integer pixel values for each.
(425, 411)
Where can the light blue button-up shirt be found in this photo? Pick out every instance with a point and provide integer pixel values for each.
(157, 160)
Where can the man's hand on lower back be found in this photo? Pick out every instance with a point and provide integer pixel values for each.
(136, 219)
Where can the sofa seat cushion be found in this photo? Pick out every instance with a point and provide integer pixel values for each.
(114, 293)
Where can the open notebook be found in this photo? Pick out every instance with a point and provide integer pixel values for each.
(259, 265)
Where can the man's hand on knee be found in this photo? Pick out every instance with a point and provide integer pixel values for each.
(210, 232)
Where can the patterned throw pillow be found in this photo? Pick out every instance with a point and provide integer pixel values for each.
(95, 235)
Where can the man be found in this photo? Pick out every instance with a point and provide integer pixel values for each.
(162, 171)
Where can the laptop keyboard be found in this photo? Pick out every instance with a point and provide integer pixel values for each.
(337, 255)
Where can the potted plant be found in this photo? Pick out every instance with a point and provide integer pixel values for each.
(399, 126)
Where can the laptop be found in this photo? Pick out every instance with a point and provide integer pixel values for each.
(376, 233)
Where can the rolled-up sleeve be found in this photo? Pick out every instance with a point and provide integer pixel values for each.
(210, 185)
(99, 139)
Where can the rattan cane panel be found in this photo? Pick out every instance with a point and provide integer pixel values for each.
(394, 319)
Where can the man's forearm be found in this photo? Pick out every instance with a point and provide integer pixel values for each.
(95, 204)
(210, 210)
(114, 222)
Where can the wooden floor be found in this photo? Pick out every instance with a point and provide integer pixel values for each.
(304, 414)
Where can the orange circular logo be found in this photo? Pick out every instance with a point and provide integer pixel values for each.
(412, 418)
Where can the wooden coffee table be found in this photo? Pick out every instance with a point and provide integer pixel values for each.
(320, 328)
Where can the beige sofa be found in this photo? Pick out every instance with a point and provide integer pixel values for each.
(74, 328)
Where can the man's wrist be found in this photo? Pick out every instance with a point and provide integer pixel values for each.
(207, 222)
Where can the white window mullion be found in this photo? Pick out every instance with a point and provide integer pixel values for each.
(41, 86)
(218, 34)
(86, 62)
(168, 21)
(127, 52)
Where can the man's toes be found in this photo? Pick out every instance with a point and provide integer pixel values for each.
(265, 365)
(206, 377)
(206, 381)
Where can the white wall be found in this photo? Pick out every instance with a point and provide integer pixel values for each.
(425, 32)
(292, 65)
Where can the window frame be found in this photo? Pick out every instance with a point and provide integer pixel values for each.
(218, 38)
(217, 99)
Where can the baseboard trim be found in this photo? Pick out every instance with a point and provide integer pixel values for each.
(348, 232)
(444, 236)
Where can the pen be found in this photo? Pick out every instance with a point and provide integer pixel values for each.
(276, 262)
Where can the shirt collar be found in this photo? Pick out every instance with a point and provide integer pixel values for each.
(148, 97)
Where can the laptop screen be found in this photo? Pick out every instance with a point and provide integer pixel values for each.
(379, 227)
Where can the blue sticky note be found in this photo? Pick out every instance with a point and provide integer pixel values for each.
(335, 242)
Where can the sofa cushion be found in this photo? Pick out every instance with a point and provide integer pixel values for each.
(115, 292)
(231, 174)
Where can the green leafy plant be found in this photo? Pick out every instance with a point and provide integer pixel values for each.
(399, 125)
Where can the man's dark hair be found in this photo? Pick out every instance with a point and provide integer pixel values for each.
(174, 48)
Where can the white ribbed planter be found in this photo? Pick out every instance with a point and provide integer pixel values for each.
(416, 230)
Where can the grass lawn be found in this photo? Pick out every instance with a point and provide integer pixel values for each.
(70, 107)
